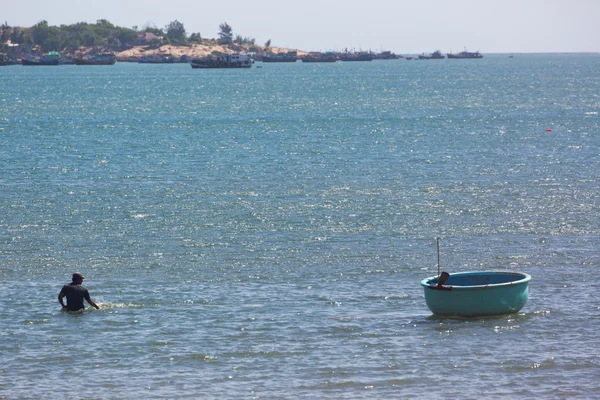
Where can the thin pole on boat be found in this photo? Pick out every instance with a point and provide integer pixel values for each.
(438, 254)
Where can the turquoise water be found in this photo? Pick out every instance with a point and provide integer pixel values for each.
(263, 233)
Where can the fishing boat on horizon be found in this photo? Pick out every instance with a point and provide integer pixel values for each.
(465, 55)
(436, 55)
(360, 56)
(386, 55)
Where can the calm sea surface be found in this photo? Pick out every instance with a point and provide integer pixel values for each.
(263, 233)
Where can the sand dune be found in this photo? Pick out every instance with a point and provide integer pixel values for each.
(193, 51)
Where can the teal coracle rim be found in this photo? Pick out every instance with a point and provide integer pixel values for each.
(477, 293)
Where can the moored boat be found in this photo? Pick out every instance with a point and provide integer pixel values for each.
(4, 60)
(52, 58)
(363, 56)
(228, 61)
(290, 56)
(465, 55)
(436, 55)
(474, 294)
(386, 55)
(479, 293)
(313, 57)
(96, 59)
(157, 59)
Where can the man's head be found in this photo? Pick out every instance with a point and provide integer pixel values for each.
(78, 277)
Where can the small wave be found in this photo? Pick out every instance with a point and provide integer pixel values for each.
(201, 357)
(390, 297)
(117, 305)
(35, 322)
(547, 364)
(140, 216)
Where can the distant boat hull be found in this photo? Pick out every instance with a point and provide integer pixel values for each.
(157, 61)
(229, 61)
(359, 57)
(319, 60)
(279, 59)
(386, 55)
(288, 57)
(422, 57)
(96, 60)
(36, 62)
(4, 60)
(198, 65)
(436, 55)
(465, 55)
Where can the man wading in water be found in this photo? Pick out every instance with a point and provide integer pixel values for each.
(75, 293)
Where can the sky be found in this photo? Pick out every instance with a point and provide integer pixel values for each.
(402, 26)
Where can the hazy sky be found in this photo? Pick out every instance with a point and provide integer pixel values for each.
(403, 26)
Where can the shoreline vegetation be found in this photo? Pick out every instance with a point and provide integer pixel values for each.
(128, 44)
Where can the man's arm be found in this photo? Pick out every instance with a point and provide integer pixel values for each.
(92, 303)
(61, 295)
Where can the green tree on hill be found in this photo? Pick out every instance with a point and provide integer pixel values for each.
(6, 31)
(176, 32)
(156, 31)
(195, 38)
(225, 33)
(244, 40)
(126, 36)
(40, 32)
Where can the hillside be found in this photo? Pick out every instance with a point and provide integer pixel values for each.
(192, 51)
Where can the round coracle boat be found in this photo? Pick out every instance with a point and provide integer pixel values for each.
(473, 294)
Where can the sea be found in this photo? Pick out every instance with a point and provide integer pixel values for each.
(262, 233)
